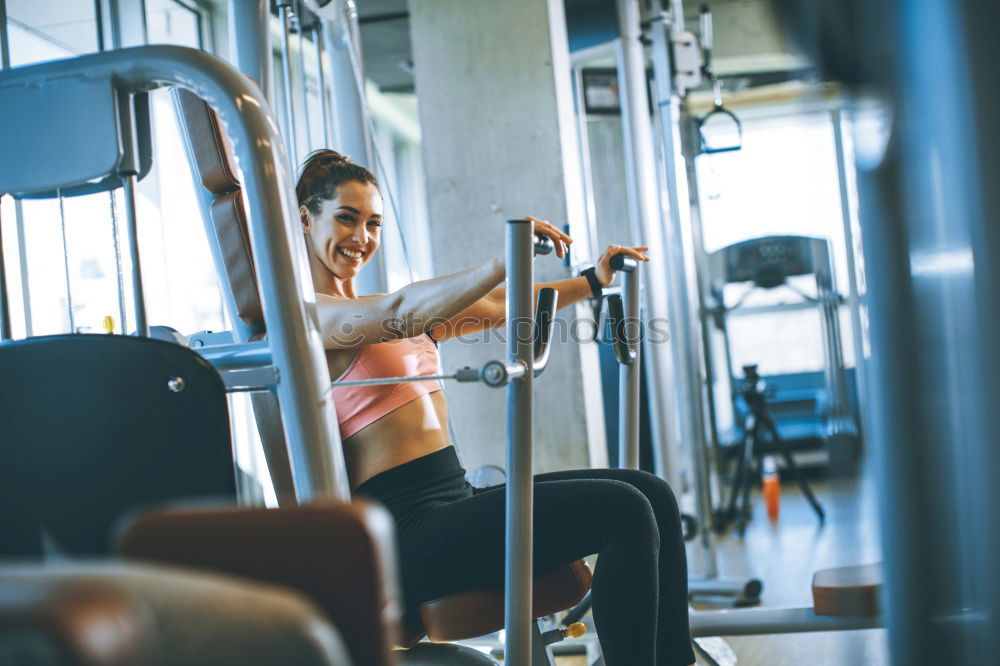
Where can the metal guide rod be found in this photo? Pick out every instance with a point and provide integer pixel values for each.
(628, 382)
(686, 333)
(65, 247)
(520, 326)
(5, 333)
(321, 81)
(302, 73)
(853, 247)
(141, 326)
(286, 65)
(4, 41)
(250, 47)
(119, 271)
(646, 230)
(22, 252)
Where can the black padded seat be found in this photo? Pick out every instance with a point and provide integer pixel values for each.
(480, 612)
(95, 426)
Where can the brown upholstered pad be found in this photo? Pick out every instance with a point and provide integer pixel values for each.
(340, 555)
(477, 613)
(213, 152)
(232, 233)
(187, 618)
(76, 621)
(847, 590)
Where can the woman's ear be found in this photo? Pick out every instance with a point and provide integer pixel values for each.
(306, 219)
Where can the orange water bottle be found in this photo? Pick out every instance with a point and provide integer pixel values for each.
(771, 489)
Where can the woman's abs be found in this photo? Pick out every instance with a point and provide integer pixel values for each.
(407, 433)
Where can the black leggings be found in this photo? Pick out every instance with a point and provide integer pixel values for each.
(451, 538)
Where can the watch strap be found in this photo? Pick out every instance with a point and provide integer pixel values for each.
(596, 288)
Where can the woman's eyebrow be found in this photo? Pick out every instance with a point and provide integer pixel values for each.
(354, 210)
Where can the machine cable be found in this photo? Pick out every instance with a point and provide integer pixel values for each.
(69, 287)
(119, 273)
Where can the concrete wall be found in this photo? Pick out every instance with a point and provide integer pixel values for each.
(492, 79)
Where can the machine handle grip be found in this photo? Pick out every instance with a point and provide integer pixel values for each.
(624, 352)
(545, 319)
(624, 263)
(543, 245)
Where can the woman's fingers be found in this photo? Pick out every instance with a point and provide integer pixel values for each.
(560, 239)
(635, 252)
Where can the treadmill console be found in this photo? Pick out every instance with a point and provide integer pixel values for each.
(767, 261)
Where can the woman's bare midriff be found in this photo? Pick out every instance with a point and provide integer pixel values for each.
(416, 429)
(404, 434)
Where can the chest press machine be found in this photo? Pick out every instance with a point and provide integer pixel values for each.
(340, 555)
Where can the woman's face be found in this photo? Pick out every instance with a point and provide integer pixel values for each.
(345, 234)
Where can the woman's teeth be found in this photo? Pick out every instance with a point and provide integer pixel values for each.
(353, 254)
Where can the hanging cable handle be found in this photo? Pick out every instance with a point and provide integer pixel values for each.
(718, 109)
(619, 331)
(620, 339)
(545, 320)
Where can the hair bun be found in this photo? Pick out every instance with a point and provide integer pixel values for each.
(334, 156)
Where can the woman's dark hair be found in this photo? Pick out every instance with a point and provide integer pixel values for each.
(322, 173)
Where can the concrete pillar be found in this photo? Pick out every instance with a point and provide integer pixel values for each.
(496, 113)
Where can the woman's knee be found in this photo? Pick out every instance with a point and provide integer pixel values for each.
(660, 495)
(634, 510)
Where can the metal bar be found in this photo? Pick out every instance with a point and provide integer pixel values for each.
(759, 621)
(22, 251)
(286, 64)
(647, 230)
(321, 83)
(686, 334)
(237, 356)
(351, 132)
(65, 244)
(250, 40)
(119, 271)
(690, 145)
(302, 73)
(4, 39)
(628, 382)
(5, 333)
(519, 499)
(131, 224)
(853, 246)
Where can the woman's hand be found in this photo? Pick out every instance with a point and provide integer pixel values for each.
(604, 272)
(559, 239)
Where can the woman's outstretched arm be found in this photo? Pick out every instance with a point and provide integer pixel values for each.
(346, 323)
(490, 311)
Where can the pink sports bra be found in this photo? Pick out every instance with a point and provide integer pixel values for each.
(360, 406)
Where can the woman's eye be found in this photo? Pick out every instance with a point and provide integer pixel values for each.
(346, 219)
(375, 223)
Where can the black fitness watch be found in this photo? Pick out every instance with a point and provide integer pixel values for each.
(596, 288)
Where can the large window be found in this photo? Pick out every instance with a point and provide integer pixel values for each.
(784, 181)
(67, 272)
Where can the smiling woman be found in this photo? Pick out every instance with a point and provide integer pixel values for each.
(397, 449)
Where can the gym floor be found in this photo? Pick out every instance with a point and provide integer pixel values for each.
(784, 556)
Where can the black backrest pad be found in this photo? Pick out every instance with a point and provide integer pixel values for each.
(90, 429)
